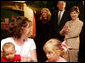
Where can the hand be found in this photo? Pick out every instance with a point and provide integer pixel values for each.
(31, 60)
(26, 59)
(65, 29)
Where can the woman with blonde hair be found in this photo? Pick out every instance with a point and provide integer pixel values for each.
(42, 32)
(45, 15)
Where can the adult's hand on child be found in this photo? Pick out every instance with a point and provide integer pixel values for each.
(24, 59)
(31, 59)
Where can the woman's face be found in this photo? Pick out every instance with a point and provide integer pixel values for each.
(74, 15)
(26, 30)
(44, 14)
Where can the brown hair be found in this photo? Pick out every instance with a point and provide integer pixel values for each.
(75, 8)
(48, 13)
(61, 0)
(7, 45)
(16, 25)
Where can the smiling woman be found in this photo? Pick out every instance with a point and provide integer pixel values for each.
(71, 36)
(74, 12)
(42, 32)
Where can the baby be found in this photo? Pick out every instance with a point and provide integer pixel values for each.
(9, 54)
(55, 50)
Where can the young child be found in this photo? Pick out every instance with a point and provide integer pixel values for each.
(55, 50)
(9, 54)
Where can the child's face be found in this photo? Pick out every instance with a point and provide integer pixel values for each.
(53, 55)
(9, 54)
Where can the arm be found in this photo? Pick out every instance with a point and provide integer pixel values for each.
(34, 55)
(64, 30)
(33, 51)
(25, 59)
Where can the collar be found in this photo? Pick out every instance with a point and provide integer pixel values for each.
(61, 11)
(76, 20)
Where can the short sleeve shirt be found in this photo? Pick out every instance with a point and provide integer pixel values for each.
(23, 50)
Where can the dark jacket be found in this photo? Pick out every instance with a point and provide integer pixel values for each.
(55, 28)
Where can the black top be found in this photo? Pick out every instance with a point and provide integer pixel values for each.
(42, 35)
(42, 27)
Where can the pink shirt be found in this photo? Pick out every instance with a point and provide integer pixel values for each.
(60, 60)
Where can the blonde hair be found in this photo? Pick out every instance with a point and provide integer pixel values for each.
(54, 44)
(48, 13)
(7, 45)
